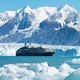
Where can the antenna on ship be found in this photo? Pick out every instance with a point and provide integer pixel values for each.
(25, 44)
(41, 45)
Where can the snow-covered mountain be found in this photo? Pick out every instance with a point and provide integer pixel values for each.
(5, 16)
(48, 25)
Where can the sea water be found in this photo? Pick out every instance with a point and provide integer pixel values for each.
(51, 60)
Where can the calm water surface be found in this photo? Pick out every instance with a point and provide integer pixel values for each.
(51, 60)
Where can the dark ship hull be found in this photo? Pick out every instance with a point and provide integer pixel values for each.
(36, 54)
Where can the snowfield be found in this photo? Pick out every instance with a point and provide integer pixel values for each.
(9, 49)
(38, 71)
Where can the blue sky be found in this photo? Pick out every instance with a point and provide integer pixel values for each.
(17, 4)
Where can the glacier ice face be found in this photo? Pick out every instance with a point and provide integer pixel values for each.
(9, 49)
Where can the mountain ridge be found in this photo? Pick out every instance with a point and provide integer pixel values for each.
(43, 25)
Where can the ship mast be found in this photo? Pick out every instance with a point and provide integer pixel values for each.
(25, 44)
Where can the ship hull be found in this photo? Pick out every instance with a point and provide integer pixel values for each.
(38, 51)
(36, 54)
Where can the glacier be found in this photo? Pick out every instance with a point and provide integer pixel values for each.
(9, 49)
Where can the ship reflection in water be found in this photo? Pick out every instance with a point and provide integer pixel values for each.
(33, 51)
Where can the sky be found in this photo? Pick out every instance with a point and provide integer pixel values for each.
(17, 4)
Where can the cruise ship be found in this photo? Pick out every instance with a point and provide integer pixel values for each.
(33, 51)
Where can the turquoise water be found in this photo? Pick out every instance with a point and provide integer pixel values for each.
(51, 60)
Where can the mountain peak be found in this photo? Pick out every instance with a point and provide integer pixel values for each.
(26, 9)
(66, 8)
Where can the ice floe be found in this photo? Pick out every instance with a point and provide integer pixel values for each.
(74, 76)
(75, 61)
(38, 71)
